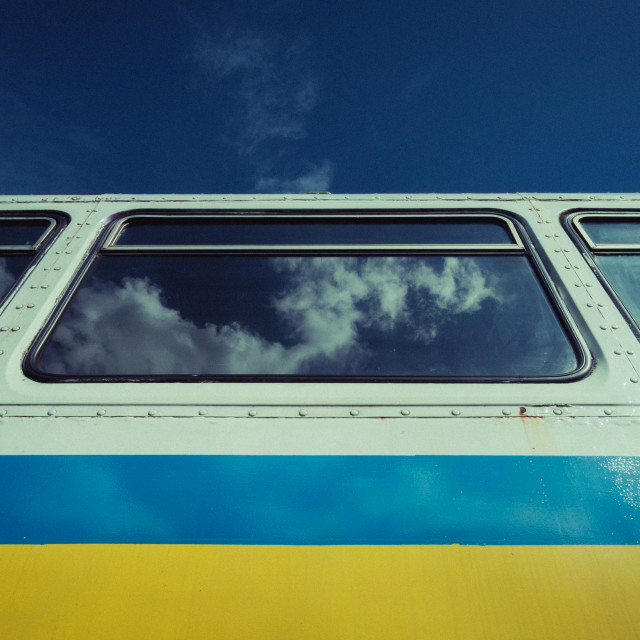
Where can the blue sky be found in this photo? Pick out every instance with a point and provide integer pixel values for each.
(282, 96)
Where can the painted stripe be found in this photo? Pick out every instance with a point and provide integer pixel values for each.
(319, 500)
(371, 593)
(513, 436)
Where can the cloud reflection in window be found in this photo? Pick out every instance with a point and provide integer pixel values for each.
(348, 316)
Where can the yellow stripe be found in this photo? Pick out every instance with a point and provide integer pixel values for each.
(121, 592)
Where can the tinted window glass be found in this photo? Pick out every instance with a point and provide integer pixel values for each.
(283, 231)
(612, 231)
(361, 317)
(623, 273)
(21, 232)
(11, 267)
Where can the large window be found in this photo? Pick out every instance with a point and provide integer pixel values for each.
(347, 297)
(614, 241)
(20, 240)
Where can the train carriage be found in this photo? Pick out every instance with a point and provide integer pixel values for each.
(320, 416)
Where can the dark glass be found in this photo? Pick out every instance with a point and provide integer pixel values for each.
(612, 230)
(623, 273)
(11, 268)
(300, 231)
(14, 233)
(358, 317)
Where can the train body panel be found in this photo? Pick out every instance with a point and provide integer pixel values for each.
(477, 502)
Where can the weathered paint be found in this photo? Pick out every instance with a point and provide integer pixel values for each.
(326, 525)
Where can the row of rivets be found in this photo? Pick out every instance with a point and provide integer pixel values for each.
(303, 412)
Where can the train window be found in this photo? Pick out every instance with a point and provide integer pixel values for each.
(249, 230)
(20, 239)
(614, 241)
(322, 297)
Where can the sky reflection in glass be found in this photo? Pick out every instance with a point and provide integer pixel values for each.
(19, 233)
(306, 231)
(11, 268)
(367, 316)
(613, 231)
(623, 273)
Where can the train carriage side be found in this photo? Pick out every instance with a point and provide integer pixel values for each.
(320, 416)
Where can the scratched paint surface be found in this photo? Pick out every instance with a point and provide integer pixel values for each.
(320, 500)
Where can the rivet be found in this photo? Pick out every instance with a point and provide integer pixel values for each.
(253, 412)
(1, 351)
(578, 284)
(202, 412)
(19, 306)
(589, 304)
(614, 326)
(44, 286)
(634, 380)
(354, 412)
(618, 352)
(604, 327)
(576, 266)
(47, 268)
(302, 412)
(30, 305)
(405, 412)
(589, 284)
(565, 250)
(56, 268)
(34, 286)
(547, 235)
(630, 352)
(4, 328)
(152, 412)
(566, 266)
(15, 328)
(51, 412)
(506, 412)
(102, 412)
(557, 250)
(608, 412)
(455, 412)
(67, 251)
(557, 411)
(3, 412)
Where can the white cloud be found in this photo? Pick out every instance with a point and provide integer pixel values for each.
(324, 304)
(318, 178)
(267, 78)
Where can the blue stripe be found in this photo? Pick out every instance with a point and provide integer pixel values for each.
(319, 500)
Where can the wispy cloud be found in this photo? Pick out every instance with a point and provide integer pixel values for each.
(318, 178)
(271, 86)
(270, 91)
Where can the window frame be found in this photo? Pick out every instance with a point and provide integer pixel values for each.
(521, 245)
(57, 222)
(573, 223)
